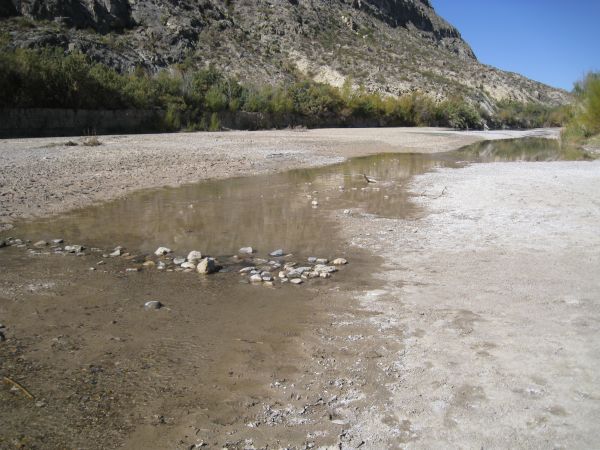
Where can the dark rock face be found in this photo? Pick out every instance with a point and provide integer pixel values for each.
(420, 15)
(101, 15)
(7, 9)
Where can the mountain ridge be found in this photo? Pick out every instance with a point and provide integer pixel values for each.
(392, 47)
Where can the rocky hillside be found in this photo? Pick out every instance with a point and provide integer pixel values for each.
(388, 46)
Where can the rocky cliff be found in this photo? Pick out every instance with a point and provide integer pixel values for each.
(389, 46)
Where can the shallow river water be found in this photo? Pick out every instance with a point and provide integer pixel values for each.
(271, 211)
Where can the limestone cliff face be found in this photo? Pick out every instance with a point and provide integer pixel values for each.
(390, 46)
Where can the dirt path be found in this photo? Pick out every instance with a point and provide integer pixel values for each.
(45, 176)
(494, 293)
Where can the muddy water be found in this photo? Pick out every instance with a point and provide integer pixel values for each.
(210, 365)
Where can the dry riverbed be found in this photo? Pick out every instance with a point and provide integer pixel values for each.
(467, 318)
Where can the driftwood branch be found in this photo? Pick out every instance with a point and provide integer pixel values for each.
(19, 387)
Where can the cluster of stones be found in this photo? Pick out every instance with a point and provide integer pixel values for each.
(194, 261)
(262, 272)
(54, 244)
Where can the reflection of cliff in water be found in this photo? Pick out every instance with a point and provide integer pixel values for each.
(528, 149)
(272, 211)
(266, 212)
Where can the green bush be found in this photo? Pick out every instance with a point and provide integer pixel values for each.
(585, 120)
(193, 99)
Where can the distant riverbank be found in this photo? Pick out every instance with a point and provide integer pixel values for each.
(52, 175)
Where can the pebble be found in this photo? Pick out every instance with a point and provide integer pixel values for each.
(267, 276)
(148, 264)
(323, 268)
(346, 211)
(57, 241)
(312, 259)
(153, 304)
(276, 253)
(161, 251)
(282, 274)
(194, 256)
(246, 250)
(161, 265)
(178, 261)
(207, 266)
(132, 269)
(296, 281)
(256, 278)
(247, 269)
(339, 262)
(73, 248)
(314, 203)
(322, 261)
(325, 275)
(40, 244)
(117, 252)
(188, 265)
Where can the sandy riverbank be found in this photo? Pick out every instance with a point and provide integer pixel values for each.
(44, 176)
(494, 294)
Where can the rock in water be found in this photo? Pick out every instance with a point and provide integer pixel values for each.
(321, 268)
(339, 262)
(153, 304)
(278, 252)
(161, 251)
(207, 266)
(188, 265)
(73, 248)
(178, 261)
(256, 278)
(247, 250)
(194, 256)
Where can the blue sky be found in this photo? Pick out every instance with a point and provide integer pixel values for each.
(552, 41)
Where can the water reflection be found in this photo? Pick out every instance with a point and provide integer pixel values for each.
(272, 211)
(529, 149)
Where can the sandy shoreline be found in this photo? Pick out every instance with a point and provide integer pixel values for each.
(493, 293)
(43, 176)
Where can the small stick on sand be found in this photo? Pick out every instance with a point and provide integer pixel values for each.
(18, 386)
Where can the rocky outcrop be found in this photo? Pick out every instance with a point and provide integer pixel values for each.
(100, 15)
(420, 15)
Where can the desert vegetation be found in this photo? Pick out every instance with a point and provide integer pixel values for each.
(584, 124)
(193, 99)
